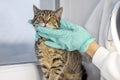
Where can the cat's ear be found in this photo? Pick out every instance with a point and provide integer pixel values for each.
(59, 11)
(35, 9)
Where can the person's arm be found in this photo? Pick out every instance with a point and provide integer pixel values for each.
(108, 63)
(92, 49)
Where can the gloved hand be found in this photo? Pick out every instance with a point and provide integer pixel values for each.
(69, 36)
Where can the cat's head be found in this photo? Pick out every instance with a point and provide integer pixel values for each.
(47, 18)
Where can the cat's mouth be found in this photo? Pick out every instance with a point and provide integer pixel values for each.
(45, 25)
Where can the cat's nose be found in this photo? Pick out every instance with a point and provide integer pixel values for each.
(42, 24)
(45, 22)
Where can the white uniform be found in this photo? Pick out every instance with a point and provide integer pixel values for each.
(108, 63)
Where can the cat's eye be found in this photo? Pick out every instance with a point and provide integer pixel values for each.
(42, 14)
(50, 15)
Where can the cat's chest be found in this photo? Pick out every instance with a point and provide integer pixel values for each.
(48, 54)
(46, 50)
(49, 51)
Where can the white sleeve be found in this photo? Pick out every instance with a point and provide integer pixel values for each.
(108, 63)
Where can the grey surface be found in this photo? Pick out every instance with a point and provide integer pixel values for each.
(16, 53)
(92, 71)
(48, 4)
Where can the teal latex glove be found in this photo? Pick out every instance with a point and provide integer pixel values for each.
(69, 36)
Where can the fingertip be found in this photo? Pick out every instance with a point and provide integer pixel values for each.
(62, 20)
(40, 29)
(30, 21)
(52, 44)
(48, 43)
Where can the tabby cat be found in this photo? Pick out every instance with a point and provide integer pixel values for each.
(56, 64)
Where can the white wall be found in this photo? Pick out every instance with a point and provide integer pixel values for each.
(77, 11)
(47, 4)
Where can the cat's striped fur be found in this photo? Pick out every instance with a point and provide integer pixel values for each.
(56, 64)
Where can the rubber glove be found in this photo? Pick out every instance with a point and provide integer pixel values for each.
(69, 36)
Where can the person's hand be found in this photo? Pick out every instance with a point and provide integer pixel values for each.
(69, 36)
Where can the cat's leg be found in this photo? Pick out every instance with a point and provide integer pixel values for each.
(62, 77)
(72, 76)
(55, 73)
(56, 70)
(73, 69)
(58, 63)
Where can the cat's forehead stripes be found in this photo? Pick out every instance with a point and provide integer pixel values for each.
(47, 12)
